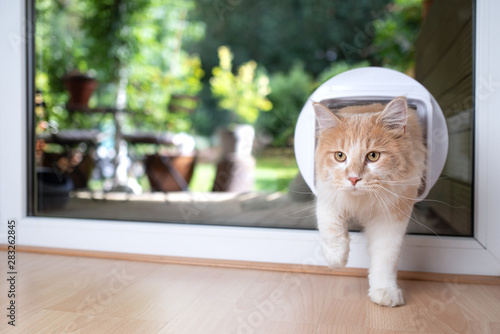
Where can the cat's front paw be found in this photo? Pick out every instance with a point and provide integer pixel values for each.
(390, 297)
(336, 254)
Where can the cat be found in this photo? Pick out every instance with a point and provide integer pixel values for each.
(370, 163)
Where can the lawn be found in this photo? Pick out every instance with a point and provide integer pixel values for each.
(271, 174)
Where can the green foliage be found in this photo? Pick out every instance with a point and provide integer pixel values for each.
(203, 177)
(139, 41)
(60, 48)
(150, 91)
(245, 93)
(274, 173)
(160, 68)
(289, 92)
(337, 68)
(164, 47)
(108, 27)
(396, 34)
(277, 34)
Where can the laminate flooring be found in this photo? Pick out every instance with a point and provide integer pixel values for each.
(70, 294)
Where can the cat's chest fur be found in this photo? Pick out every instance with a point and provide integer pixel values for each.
(360, 207)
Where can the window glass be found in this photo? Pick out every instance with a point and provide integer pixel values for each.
(184, 111)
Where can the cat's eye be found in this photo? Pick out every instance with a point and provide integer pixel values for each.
(340, 157)
(373, 156)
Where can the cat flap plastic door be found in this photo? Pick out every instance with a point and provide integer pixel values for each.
(370, 85)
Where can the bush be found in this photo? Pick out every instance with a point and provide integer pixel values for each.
(245, 93)
(289, 92)
(337, 68)
(396, 35)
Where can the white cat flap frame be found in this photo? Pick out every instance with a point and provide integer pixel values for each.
(373, 84)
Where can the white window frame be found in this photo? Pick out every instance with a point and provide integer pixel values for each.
(460, 255)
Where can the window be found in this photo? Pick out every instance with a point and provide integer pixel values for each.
(155, 124)
(47, 228)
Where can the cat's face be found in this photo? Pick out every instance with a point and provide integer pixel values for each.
(362, 150)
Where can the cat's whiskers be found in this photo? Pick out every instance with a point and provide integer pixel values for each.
(385, 198)
(410, 207)
(371, 206)
(419, 178)
(298, 192)
(309, 207)
(393, 193)
(381, 200)
(396, 183)
(400, 183)
(415, 199)
(380, 192)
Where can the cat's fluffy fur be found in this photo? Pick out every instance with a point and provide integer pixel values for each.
(382, 199)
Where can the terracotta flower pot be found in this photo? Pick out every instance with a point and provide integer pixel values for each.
(80, 87)
(169, 173)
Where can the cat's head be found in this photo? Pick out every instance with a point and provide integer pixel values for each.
(363, 148)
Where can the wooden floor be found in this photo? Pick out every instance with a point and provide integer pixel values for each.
(66, 294)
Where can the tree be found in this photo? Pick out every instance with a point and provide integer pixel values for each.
(132, 47)
(276, 34)
(289, 91)
(396, 35)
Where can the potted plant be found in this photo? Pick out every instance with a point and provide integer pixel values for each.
(127, 41)
(244, 95)
(123, 43)
(171, 166)
(80, 87)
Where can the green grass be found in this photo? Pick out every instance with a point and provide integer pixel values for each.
(275, 173)
(203, 177)
(271, 174)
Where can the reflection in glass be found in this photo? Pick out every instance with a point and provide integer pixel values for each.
(184, 111)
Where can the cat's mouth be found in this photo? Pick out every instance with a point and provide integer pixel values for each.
(355, 190)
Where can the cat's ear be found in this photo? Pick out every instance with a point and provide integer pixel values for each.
(395, 114)
(326, 119)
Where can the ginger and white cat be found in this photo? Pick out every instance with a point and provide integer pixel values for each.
(370, 163)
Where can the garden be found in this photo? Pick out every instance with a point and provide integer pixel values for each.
(148, 95)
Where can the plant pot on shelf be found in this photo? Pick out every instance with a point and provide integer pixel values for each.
(80, 87)
(236, 167)
(169, 172)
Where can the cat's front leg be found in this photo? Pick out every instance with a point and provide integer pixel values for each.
(334, 235)
(385, 239)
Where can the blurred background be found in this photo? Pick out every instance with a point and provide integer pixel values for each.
(184, 111)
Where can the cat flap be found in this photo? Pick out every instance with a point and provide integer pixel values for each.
(379, 85)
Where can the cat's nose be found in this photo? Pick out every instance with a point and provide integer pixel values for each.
(353, 180)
